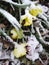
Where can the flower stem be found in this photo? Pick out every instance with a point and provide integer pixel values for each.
(16, 4)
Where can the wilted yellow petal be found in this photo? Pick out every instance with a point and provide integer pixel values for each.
(21, 51)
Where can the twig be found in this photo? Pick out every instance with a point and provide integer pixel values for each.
(12, 7)
(41, 61)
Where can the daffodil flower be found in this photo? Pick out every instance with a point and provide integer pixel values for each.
(20, 51)
(35, 10)
(26, 20)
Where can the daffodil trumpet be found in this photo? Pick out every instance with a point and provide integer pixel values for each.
(35, 11)
(26, 20)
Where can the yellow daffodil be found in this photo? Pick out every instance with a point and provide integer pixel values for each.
(20, 51)
(16, 34)
(26, 20)
(35, 11)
